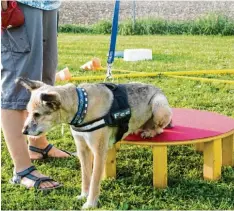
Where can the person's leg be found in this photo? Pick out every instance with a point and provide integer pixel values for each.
(50, 53)
(49, 34)
(12, 124)
(13, 120)
(16, 61)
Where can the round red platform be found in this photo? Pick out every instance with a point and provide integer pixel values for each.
(190, 124)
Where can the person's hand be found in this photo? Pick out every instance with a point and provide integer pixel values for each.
(4, 5)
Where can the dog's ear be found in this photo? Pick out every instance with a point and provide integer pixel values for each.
(51, 99)
(29, 84)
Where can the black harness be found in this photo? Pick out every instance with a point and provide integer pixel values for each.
(118, 115)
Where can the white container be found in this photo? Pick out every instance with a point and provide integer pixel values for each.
(137, 54)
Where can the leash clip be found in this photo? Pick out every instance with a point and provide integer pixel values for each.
(108, 73)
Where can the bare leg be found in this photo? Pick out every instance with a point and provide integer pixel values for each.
(12, 124)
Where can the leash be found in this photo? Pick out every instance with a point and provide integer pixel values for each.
(114, 32)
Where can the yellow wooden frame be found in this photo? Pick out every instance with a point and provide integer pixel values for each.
(228, 150)
(217, 151)
(110, 166)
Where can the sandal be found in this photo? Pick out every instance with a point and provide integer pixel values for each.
(38, 180)
(45, 151)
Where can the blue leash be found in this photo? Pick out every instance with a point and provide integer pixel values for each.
(114, 32)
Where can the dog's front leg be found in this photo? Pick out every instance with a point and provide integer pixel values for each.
(85, 157)
(99, 149)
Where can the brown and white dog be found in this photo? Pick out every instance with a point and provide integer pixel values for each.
(53, 105)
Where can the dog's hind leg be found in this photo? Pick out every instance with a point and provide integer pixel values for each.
(162, 114)
(98, 143)
(161, 117)
(85, 157)
(148, 129)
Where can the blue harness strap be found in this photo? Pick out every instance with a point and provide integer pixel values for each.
(114, 32)
(82, 107)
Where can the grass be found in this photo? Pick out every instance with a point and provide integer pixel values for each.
(133, 187)
(210, 24)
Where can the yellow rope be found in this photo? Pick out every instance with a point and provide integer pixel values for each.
(124, 71)
(203, 79)
(144, 74)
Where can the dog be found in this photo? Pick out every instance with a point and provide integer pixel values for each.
(145, 110)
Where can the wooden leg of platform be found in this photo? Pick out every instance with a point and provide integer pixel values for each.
(199, 147)
(160, 166)
(110, 166)
(212, 160)
(227, 151)
(117, 146)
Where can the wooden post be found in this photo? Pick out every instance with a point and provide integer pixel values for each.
(199, 147)
(110, 166)
(160, 166)
(227, 151)
(212, 160)
(117, 146)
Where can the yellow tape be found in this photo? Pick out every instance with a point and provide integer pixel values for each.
(203, 79)
(194, 72)
(116, 70)
(199, 72)
(145, 74)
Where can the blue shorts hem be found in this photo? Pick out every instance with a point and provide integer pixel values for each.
(14, 105)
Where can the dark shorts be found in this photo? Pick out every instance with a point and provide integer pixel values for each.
(28, 51)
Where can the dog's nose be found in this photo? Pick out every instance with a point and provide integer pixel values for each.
(25, 130)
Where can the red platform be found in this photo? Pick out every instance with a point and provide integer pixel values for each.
(190, 124)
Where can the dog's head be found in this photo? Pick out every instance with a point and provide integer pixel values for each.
(43, 107)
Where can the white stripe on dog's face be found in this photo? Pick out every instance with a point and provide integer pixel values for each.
(42, 115)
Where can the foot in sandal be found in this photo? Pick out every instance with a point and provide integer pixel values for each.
(36, 153)
(30, 178)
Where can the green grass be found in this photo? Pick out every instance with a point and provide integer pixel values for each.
(133, 187)
(210, 24)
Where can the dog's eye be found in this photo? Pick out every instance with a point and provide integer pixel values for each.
(36, 115)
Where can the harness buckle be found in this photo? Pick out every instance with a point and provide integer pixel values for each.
(109, 73)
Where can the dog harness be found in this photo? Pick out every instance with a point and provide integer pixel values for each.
(118, 115)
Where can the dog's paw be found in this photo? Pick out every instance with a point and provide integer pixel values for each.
(82, 196)
(89, 205)
(159, 131)
(137, 132)
(148, 134)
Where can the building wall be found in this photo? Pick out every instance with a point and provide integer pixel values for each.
(89, 12)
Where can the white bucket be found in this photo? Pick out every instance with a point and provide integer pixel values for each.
(137, 54)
